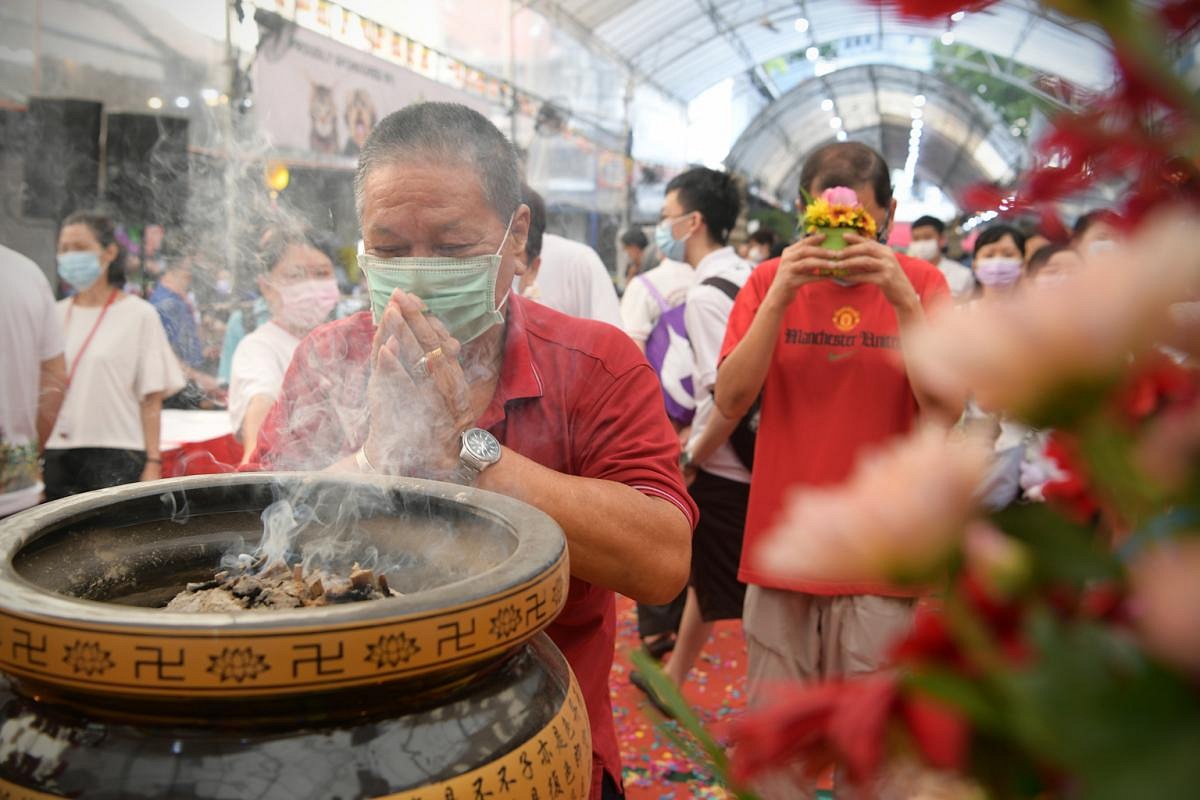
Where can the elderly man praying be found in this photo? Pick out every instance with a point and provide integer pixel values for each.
(453, 377)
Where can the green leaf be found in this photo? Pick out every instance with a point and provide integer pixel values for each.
(1108, 450)
(968, 695)
(1062, 551)
(1122, 724)
(701, 747)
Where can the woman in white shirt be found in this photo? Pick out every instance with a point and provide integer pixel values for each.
(999, 266)
(119, 368)
(298, 284)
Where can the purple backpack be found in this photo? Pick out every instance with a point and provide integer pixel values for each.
(670, 353)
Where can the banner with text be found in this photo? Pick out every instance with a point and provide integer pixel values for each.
(315, 95)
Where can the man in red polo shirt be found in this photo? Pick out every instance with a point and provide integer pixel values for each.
(826, 355)
(453, 377)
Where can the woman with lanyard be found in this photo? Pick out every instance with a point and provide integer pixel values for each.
(119, 368)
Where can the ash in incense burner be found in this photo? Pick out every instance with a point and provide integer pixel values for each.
(130, 669)
(279, 587)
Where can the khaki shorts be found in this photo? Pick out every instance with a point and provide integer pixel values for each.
(793, 637)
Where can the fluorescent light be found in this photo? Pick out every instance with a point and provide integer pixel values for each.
(801, 25)
(919, 100)
(835, 122)
(917, 113)
(182, 102)
(827, 104)
(918, 124)
(948, 38)
(812, 54)
(841, 136)
(155, 102)
(958, 15)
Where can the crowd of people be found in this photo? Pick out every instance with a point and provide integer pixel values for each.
(661, 429)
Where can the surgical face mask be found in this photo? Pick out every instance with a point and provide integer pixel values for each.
(756, 255)
(998, 272)
(670, 247)
(306, 304)
(461, 292)
(79, 268)
(925, 249)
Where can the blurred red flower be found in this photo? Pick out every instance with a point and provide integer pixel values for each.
(1154, 385)
(1181, 15)
(1072, 494)
(845, 721)
(932, 9)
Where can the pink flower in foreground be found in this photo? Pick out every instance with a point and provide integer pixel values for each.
(898, 518)
(998, 561)
(840, 196)
(1166, 601)
(1018, 354)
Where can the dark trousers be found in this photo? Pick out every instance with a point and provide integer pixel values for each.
(82, 469)
(658, 620)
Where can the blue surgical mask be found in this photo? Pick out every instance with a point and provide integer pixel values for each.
(461, 292)
(668, 245)
(79, 268)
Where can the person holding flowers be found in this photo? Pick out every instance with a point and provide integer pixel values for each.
(819, 333)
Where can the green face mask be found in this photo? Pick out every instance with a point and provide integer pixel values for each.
(461, 292)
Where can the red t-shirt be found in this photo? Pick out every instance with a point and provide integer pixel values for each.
(836, 387)
(576, 396)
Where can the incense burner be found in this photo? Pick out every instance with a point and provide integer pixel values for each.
(450, 690)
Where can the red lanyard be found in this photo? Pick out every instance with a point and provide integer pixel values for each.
(79, 356)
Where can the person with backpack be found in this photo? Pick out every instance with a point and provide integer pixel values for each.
(699, 211)
(650, 294)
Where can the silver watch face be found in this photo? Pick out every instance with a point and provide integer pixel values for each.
(481, 445)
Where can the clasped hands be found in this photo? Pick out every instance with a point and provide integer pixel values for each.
(864, 260)
(418, 396)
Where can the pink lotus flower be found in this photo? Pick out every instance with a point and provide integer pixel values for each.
(1166, 601)
(1016, 353)
(898, 518)
(840, 196)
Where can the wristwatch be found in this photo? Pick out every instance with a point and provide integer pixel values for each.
(480, 450)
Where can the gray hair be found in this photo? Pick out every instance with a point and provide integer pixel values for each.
(446, 133)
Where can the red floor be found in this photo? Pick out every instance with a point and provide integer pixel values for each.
(654, 770)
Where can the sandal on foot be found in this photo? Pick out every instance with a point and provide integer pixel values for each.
(639, 680)
(659, 646)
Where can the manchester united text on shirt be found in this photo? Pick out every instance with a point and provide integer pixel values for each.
(823, 338)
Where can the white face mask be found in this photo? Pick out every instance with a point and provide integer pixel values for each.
(756, 255)
(925, 249)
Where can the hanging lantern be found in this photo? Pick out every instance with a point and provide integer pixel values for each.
(277, 176)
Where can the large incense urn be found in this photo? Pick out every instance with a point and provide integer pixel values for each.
(448, 691)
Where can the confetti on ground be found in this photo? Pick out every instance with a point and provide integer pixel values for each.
(716, 688)
(654, 767)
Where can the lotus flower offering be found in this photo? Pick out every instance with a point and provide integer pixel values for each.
(833, 214)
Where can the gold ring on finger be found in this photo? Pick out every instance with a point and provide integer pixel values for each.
(422, 365)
